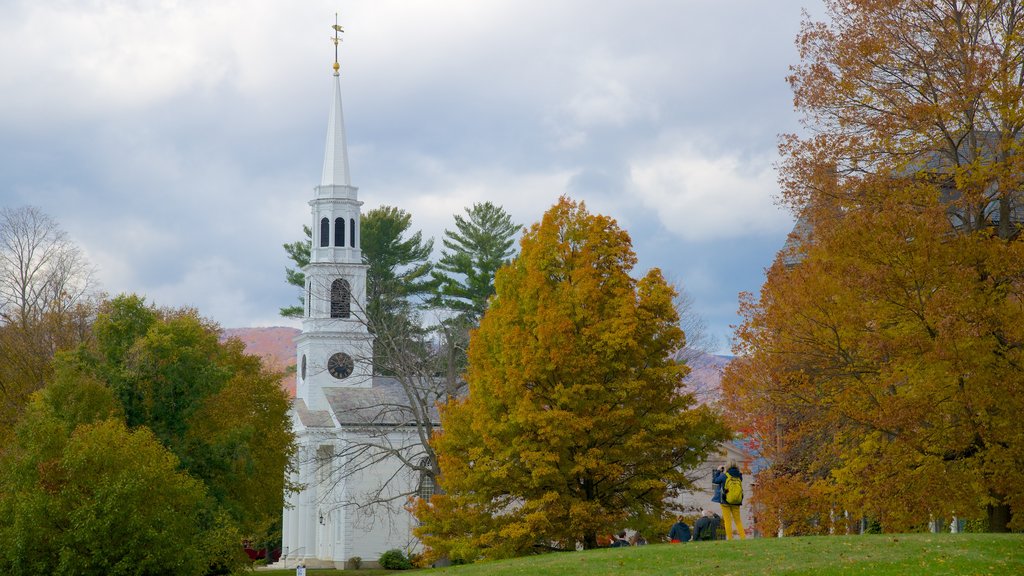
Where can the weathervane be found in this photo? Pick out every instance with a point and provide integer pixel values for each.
(336, 39)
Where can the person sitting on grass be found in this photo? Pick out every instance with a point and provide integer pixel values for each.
(680, 531)
(620, 540)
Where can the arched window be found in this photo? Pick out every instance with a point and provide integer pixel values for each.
(352, 232)
(325, 232)
(309, 298)
(339, 231)
(341, 299)
(426, 487)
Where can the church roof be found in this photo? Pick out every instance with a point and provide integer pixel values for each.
(386, 403)
(312, 418)
(336, 152)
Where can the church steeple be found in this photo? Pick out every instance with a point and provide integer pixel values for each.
(334, 349)
(336, 151)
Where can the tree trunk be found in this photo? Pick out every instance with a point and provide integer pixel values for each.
(999, 517)
(590, 541)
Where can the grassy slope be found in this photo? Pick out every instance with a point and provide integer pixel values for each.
(877, 555)
(929, 554)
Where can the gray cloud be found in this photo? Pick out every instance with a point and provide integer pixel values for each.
(179, 142)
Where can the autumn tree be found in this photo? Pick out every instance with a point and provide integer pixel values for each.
(431, 374)
(47, 300)
(576, 422)
(880, 364)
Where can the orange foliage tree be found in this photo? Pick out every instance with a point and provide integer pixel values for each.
(576, 423)
(883, 357)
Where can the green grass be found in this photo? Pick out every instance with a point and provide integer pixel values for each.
(321, 572)
(877, 555)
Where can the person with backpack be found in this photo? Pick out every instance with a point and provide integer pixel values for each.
(729, 489)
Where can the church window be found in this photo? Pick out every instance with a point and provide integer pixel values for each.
(341, 299)
(352, 232)
(426, 487)
(339, 231)
(324, 464)
(325, 232)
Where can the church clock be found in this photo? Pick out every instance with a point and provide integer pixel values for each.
(340, 365)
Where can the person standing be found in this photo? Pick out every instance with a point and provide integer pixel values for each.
(680, 531)
(705, 528)
(729, 491)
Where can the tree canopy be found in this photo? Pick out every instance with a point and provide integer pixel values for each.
(217, 409)
(576, 421)
(81, 493)
(47, 301)
(880, 366)
(482, 242)
(154, 433)
(299, 253)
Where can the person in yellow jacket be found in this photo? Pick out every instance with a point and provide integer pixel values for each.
(730, 512)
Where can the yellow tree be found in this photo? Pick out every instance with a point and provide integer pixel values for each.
(883, 356)
(886, 366)
(576, 422)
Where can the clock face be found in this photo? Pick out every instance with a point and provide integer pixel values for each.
(303, 366)
(340, 365)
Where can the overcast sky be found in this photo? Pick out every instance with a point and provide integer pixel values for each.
(178, 142)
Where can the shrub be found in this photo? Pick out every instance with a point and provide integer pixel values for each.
(394, 559)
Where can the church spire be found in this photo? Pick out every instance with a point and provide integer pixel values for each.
(336, 152)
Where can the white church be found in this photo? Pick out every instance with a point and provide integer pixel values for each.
(339, 403)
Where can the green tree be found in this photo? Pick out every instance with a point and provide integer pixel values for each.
(397, 278)
(576, 420)
(222, 414)
(399, 266)
(398, 274)
(481, 244)
(93, 497)
(299, 253)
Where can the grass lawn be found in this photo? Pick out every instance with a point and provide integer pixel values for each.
(878, 555)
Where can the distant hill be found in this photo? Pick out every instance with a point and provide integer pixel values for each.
(705, 377)
(276, 345)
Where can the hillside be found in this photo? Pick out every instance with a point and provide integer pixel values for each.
(276, 345)
(878, 555)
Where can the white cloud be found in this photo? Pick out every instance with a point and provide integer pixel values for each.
(435, 191)
(174, 136)
(700, 197)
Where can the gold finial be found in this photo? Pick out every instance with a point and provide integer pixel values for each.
(336, 39)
